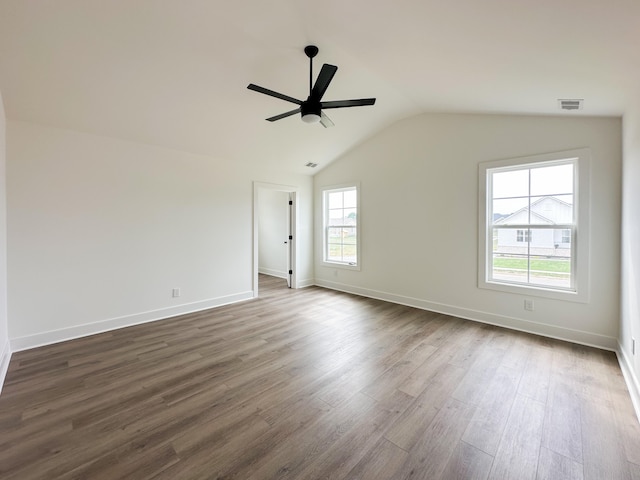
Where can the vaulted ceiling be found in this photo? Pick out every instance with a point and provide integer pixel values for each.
(174, 73)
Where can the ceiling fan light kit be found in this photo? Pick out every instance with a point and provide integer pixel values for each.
(311, 110)
(310, 118)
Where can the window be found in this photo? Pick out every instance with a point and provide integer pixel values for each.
(341, 226)
(532, 210)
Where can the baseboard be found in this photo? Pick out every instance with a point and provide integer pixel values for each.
(309, 282)
(630, 378)
(273, 273)
(55, 336)
(5, 358)
(559, 333)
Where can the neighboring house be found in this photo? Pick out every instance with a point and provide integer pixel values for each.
(547, 242)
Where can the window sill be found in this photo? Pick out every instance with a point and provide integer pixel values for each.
(580, 296)
(345, 266)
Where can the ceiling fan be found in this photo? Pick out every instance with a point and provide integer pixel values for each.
(312, 108)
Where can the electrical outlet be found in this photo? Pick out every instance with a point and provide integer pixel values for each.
(528, 304)
(176, 292)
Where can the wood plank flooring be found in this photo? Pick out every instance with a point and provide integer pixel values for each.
(316, 384)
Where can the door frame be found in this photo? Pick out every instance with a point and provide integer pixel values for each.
(293, 243)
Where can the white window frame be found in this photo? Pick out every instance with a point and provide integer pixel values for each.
(579, 291)
(325, 227)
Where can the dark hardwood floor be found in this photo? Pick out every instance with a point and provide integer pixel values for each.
(316, 384)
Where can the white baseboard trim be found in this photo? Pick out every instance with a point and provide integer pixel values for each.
(551, 331)
(55, 336)
(630, 378)
(5, 358)
(273, 273)
(309, 282)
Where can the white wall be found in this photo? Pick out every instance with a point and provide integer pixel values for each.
(102, 230)
(419, 214)
(630, 303)
(273, 229)
(5, 351)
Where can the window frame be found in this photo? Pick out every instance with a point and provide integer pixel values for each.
(579, 290)
(325, 191)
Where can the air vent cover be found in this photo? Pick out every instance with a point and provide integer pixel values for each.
(311, 164)
(570, 104)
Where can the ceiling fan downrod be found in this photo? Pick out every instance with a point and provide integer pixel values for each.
(311, 51)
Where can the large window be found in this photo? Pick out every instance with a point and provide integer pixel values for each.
(533, 211)
(341, 226)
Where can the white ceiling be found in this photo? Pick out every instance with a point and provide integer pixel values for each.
(174, 73)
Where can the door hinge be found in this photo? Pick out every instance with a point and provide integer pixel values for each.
(290, 272)
(290, 237)
(290, 202)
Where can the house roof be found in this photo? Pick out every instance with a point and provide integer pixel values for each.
(506, 219)
(174, 73)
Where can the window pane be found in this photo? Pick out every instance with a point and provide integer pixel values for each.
(551, 270)
(349, 236)
(335, 200)
(334, 235)
(511, 184)
(567, 213)
(349, 254)
(510, 211)
(510, 241)
(350, 216)
(568, 199)
(551, 210)
(552, 180)
(350, 199)
(509, 268)
(336, 217)
(562, 238)
(334, 253)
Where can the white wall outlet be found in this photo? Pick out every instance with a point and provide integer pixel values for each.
(175, 292)
(528, 304)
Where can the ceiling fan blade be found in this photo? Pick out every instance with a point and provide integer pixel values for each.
(271, 93)
(283, 115)
(348, 103)
(326, 121)
(323, 81)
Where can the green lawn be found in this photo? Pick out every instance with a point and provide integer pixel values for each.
(540, 264)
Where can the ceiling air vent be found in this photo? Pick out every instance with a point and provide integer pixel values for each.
(570, 104)
(311, 164)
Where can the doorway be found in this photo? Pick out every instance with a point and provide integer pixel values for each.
(274, 238)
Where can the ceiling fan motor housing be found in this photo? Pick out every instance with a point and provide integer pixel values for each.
(310, 107)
